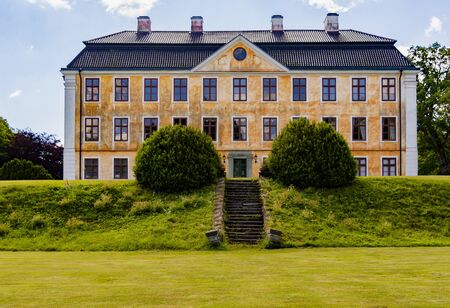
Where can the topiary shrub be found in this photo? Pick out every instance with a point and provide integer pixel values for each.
(21, 169)
(311, 155)
(177, 158)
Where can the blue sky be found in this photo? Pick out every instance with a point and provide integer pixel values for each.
(38, 37)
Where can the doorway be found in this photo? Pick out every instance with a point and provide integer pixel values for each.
(240, 167)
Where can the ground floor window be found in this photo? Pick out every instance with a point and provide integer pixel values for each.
(389, 166)
(331, 120)
(91, 168)
(210, 127)
(120, 168)
(361, 166)
(180, 121)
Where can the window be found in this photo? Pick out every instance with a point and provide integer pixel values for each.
(150, 89)
(388, 89)
(150, 126)
(180, 89)
(359, 89)
(92, 90)
(210, 127)
(180, 121)
(389, 166)
(210, 89)
(269, 89)
(328, 89)
(239, 89)
(389, 129)
(298, 118)
(120, 168)
(239, 129)
(299, 89)
(91, 168)
(331, 120)
(121, 90)
(361, 166)
(121, 129)
(91, 129)
(359, 126)
(269, 129)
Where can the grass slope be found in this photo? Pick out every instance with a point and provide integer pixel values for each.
(51, 215)
(372, 212)
(324, 277)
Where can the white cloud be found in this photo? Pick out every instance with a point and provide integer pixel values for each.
(403, 49)
(15, 94)
(434, 26)
(333, 5)
(56, 4)
(129, 8)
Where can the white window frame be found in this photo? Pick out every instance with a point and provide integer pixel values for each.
(114, 90)
(217, 129)
(114, 130)
(99, 129)
(321, 90)
(232, 129)
(143, 123)
(367, 164)
(128, 167)
(332, 116)
(232, 89)
(262, 89)
(143, 90)
(217, 89)
(83, 176)
(99, 89)
(367, 129)
(262, 127)
(186, 117)
(187, 90)
(381, 129)
(292, 89)
(396, 89)
(351, 89)
(396, 165)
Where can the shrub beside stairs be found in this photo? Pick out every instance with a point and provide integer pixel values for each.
(244, 219)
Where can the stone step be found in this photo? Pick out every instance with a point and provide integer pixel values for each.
(244, 231)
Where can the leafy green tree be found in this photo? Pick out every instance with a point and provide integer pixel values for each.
(21, 169)
(433, 107)
(6, 135)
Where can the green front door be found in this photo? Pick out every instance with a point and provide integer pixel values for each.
(239, 167)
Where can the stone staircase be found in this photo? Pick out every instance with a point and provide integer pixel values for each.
(244, 221)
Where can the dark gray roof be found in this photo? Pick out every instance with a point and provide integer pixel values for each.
(223, 37)
(295, 49)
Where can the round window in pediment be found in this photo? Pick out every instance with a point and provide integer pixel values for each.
(240, 53)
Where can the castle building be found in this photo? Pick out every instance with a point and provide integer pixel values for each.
(241, 88)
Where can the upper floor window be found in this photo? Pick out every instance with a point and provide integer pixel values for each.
(361, 166)
(389, 128)
(331, 120)
(388, 89)
(359, 89)
(121, 90)
(269, 89)
(269, 129)
(121, 168)
(239, 129)
(150, 126)
(239, 89)
(359, 129)
(121, 129)
(150, 89)
(328, 89)
(210, 127)
(299, 89)
(92, 90)
(180, 89)
(91, 168)
(180, 121)
(210, 89)
(91, 129)
(389, 166)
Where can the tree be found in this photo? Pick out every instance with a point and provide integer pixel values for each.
(21, 169)
(433, 106)
(40, 148)
(313, 154)
(6, 136)
(177, 158)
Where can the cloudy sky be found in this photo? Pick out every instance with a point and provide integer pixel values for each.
(38, 37)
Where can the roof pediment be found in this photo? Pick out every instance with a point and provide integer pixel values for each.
(256, 59)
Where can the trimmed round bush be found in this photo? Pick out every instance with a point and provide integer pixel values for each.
(310, 154)
(21, 169)
(177, 158)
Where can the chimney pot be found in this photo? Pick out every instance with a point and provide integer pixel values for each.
(196, 24)
(331, 23)
(144, 24)
(277, 23)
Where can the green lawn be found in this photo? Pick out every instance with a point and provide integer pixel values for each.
(339, 277)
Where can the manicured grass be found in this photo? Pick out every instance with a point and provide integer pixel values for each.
(101, 215)
(376, 211)
(337, 277)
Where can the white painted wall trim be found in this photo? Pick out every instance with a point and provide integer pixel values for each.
(410, 99)
(69, 126)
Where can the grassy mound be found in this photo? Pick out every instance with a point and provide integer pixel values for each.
(51, 215)
(372, 212)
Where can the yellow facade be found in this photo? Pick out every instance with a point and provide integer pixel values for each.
(224, 67)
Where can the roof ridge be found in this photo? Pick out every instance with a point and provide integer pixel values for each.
(374, 35)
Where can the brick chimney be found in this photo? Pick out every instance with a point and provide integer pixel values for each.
(331, 23)
(144, 25)
(196, 24)
(277, 23)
